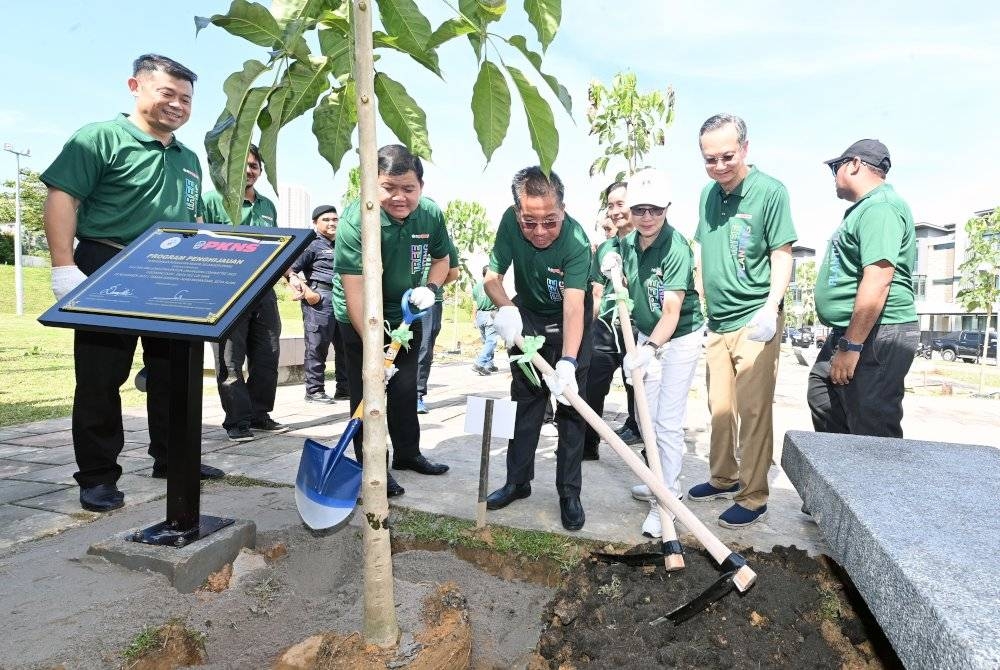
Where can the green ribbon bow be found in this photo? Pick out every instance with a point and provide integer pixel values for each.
(530, 346)
(402, 335)
(622, 296)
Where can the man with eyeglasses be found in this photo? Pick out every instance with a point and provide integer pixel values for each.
(864, 292)
(550, 253)
(745, 234)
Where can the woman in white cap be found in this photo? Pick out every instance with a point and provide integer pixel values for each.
(658, 266)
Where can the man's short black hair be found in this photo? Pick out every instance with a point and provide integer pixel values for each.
(395, 160)
(153, 62)
(532, 181)
(612, 187)
(252, 150)
(485, 269)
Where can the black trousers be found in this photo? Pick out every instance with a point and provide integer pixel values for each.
(607, 360)
(254, 339)
(102, 364)
(401, 394)
(531, 403)
(872, 403)
(431, 328)
(339, 364)
(318, 325)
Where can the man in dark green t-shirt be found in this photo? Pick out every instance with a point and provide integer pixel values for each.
(551, 256)
(112, 181)
(415, 248)
(864, 292)
(745, 233)
(255, 338)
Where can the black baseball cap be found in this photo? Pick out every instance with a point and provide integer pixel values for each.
(323, 209)
(872, 152)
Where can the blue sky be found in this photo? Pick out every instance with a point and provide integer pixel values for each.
(809, 78)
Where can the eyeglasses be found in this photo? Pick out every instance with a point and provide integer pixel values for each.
(643, 211)
(547, 224)
(835, 167)
(725, 159)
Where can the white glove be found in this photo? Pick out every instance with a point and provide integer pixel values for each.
(422, 297)
(65, 278)
(642, 357)
(563, 379)
(763, 324)
(389, 372)
(612, 263)
(508, 324)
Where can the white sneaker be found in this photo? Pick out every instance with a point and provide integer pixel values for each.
(651, 526)
(642, 492)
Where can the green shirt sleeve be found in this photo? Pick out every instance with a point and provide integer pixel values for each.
(214, 211)
(778, 230)
(880, 234)
(79, 166)
(578, 265)
(678, 265)
(347, 252)
(503, 252)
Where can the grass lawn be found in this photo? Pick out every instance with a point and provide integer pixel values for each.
(36, 362)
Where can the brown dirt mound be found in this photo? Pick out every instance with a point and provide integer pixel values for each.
(791, 618)
(445, 643)
(176, 647)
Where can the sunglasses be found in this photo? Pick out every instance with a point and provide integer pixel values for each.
(643, 211)
(835, 167)
(547, 224)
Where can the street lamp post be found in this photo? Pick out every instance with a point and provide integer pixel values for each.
(18, 279)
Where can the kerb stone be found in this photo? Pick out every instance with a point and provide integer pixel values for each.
(916, 527)
(186, 567)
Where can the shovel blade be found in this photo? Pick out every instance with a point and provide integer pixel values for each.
(722, 586)
(327, 483)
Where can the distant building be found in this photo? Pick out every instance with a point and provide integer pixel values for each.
(294, 207)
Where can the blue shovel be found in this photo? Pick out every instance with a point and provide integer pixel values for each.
(328, 482)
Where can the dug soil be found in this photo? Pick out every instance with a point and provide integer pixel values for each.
(799, 614)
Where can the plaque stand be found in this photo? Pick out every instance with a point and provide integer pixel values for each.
(184, 523)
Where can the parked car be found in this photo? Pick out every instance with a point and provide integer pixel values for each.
(802, 337)
(964, 344)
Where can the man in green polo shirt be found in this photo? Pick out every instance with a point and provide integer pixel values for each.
(112, 181)
(255, 338)
(551, 256)
(864, 292)
(415, 246)
(745, 233)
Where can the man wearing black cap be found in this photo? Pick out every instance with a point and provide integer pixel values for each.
(316, 264)
(864, 292)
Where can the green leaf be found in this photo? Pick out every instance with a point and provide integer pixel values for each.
(403, 20)
(338, 47)
(334, 120)
(306, 81)
(492, 8)
(287, 11)
(521, 44)
(217, 149)
(239, 143)
(427, 57)
(269, 124)
(250, 21)
(403, 115)
(545, 16)
(449, 30)
(238, 83)
(490, 108)
(599, 166)
(470, 12)
(541, 124)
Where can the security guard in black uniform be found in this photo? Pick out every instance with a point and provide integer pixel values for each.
(316, 264)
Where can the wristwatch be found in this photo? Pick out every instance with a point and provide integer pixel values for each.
(844, 344)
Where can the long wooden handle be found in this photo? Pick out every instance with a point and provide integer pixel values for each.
(712, 544)
(671, 561)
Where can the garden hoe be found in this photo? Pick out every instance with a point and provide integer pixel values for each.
(671, 551)
(328, 482)
(738, 574)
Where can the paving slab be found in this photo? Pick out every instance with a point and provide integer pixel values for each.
(16, 468)
(915, 525)
(13, 452)
(54, 456)
(21, 524)
(44, 439)
(13, 490)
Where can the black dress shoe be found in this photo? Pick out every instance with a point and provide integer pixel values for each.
(507, 494)
(101, 498)
(422, 465)
(341, 394)
(393, 489)
(629, 436)
(572, 513)
(207, 472)
(591, 453)
(320, 397)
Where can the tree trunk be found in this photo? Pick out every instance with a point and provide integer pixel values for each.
(379, 624)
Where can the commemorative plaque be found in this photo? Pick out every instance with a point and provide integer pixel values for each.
(188, 283)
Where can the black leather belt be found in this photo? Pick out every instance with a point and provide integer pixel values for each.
(320, 284)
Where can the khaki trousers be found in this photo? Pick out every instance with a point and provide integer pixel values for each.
(741, 375)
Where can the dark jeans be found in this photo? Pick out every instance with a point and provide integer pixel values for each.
(431, 327)
(318, 325)
(607, 359)
(401, 395)
(339, 364)
(872, 403)
(102, 362)
(254, 340)
(531, 403)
